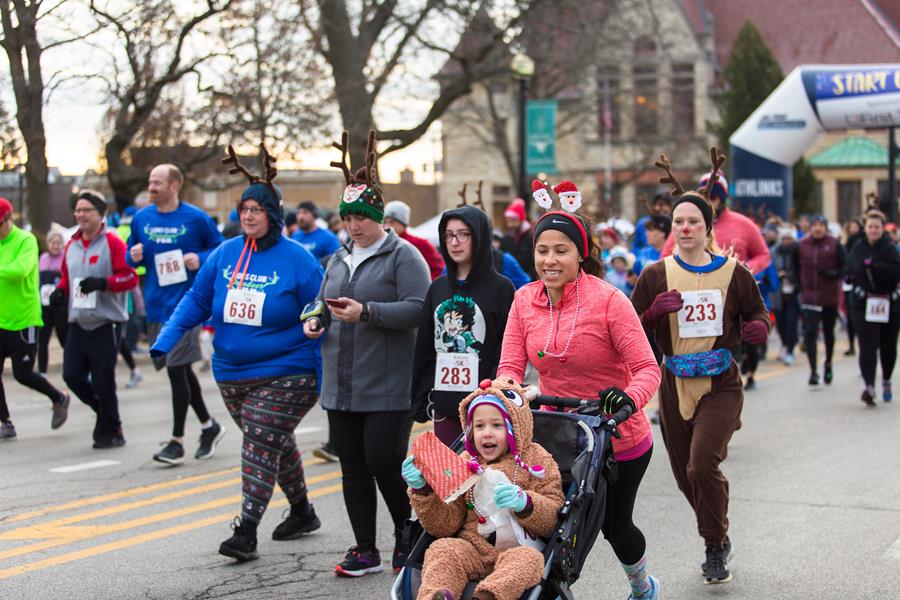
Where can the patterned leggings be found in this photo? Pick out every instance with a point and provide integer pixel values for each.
(267, 411)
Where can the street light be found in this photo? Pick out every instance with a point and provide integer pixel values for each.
(522, 70)
(20, 170)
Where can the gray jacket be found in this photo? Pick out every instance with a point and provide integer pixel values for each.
(367, 366)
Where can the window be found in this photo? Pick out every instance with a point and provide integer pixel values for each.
(683, 99)
(608, 91)
(646, 101)
(849, 200)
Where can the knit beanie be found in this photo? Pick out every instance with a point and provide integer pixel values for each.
(720, 187)
(491, 400)
(397, 210)
(362, 199)
(271, 201)
(6, 208)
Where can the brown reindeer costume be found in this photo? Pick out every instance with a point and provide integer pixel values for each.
(462, 553)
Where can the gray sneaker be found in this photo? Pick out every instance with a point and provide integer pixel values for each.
(209, 439)
(60, 413)
(7, 431)
(172, 454)
(134, 379)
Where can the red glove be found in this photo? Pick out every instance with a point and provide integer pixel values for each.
(665, 303)
(755, 332)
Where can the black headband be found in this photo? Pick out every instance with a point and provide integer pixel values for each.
(96, 201)
(569, 225)
(701, 203)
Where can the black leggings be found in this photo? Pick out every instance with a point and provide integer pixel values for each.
(875, 339)
(372, 446)
(185, 392)
(811, 321)
(623, 535)
(21, 346)
(54, 318)
(851, 328)
(124, 348)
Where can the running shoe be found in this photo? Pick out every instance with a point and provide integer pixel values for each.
(750, 385)
(359, 562)
(294, 526)
(60, 412)
(850, 352)
(716, 566)
(107, 442)
(813, 379)
(886, 394)
(171, 454)
(242, 544)
(7, 431)
(652, 594)
(868, 397)
(789, 359)
(134, 379)
(829, 376)
(326, 452)
(209, 439)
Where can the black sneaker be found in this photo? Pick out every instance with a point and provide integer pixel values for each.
(728, 553)
(116, 440)
(715, 569)
(7, 431)
(813, 379)
(60, 412)
(750, 385)
(172, 454)
(327, 453)
(242, 544)
(868, 398)
(294, 526)
(358, 562)
(850, 352)
(829, 376)
(209, 439)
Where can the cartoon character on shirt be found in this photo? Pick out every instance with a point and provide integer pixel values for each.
(458, 326)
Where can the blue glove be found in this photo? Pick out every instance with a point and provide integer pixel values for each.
(508, 495)
(412, 475)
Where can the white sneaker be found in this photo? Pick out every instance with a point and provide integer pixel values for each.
(789, 359)
(782, 353)
(135, 378)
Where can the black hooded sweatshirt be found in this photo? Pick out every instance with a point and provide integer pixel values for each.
(461, 316)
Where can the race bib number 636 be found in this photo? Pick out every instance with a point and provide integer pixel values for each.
(244, 307)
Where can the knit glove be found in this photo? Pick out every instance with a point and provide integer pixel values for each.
(59, 298)
(412, 475)
(665, 303)
(93, 284)
(509, 495)
(612, 399)
(754, 332)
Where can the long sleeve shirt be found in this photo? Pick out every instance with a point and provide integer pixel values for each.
(20, 302)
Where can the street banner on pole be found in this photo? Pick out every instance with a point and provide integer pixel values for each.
(540, 137)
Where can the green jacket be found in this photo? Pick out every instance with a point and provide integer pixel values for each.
(21, 305)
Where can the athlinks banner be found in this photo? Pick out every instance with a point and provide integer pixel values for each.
(810, 101)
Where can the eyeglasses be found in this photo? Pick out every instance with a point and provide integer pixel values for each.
(79, 211)
(253, 210)
(460, 236)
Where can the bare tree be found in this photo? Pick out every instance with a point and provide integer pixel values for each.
(154, 55)
(10, 141)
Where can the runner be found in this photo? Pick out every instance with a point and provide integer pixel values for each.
(374, 292)
(853, 232)
(56, 318)
(583, 336)
(255, 287)
(20, 318)
(173, 239)
(820, 259)
(94, 282)
(787, 305)
(874, 269)
(396, 216)
(320, 242)
(463, 322)
(699, 306)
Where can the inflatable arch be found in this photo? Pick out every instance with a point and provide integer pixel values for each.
(811, 100)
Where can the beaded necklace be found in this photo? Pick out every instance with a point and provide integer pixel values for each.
(545, 351)
(470, 498)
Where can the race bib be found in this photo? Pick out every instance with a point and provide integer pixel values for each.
(46, 290)
(170, 267)
(787, 288)
(244, 307)
(82, 300)
(701, 315)
(878, 309)
(455, 372)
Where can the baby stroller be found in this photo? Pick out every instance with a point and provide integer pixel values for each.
(580, 442)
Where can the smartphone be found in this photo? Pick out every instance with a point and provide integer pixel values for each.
(335, 303)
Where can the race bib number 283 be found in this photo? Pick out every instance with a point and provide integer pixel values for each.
(701, 315)
(455, 372)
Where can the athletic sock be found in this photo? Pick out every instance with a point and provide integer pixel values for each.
(207, 425)
(637, 578)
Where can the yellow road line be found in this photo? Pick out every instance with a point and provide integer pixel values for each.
(140, 539)
(130, 492)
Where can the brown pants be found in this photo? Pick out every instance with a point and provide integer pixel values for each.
(697, 447)
(450, 563)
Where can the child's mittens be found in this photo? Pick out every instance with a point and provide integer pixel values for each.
(412, 475)
(509, 495)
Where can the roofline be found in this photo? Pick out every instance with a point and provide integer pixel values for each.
(882, 21)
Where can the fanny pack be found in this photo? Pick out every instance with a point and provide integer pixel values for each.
(700, 364)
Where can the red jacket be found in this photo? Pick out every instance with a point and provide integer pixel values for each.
(428, 252)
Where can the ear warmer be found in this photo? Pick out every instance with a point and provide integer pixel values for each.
(568, 224)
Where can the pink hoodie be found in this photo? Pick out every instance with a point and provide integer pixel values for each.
(609, 349)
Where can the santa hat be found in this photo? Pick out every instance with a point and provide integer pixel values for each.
(516, 210)
(720, 187)
(6, 208)
(611, 233)
(564, 187)
(491, 400)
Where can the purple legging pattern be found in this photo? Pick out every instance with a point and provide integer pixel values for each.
(267, 411)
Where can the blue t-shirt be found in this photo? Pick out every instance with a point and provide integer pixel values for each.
(646, 256)
(186, 228)
(320, 242)
(289, 276)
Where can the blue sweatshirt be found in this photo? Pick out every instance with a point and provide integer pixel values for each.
(188, 229)
(289, 276)
(320, 242)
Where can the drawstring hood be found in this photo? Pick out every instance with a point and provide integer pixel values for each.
(249, 244)
(482, 256)
(274, 207)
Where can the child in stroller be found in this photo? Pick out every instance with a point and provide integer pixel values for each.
(498, 427)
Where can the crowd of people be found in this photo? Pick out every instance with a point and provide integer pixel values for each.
(351, 309)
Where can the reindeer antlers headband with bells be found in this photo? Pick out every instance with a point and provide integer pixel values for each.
(363, 195)
(700, 198)
(569, 196)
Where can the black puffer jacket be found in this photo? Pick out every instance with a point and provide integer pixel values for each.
(882, 274)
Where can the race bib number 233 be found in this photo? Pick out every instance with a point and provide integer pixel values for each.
(701, 315)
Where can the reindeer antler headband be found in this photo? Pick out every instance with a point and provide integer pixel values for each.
(268, 169)
(479, 202)
(362, 194)
(700, 198)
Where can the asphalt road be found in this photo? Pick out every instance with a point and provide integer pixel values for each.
(815, 506)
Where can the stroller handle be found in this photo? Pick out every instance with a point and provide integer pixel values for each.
(586, 406)
(559, 402)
